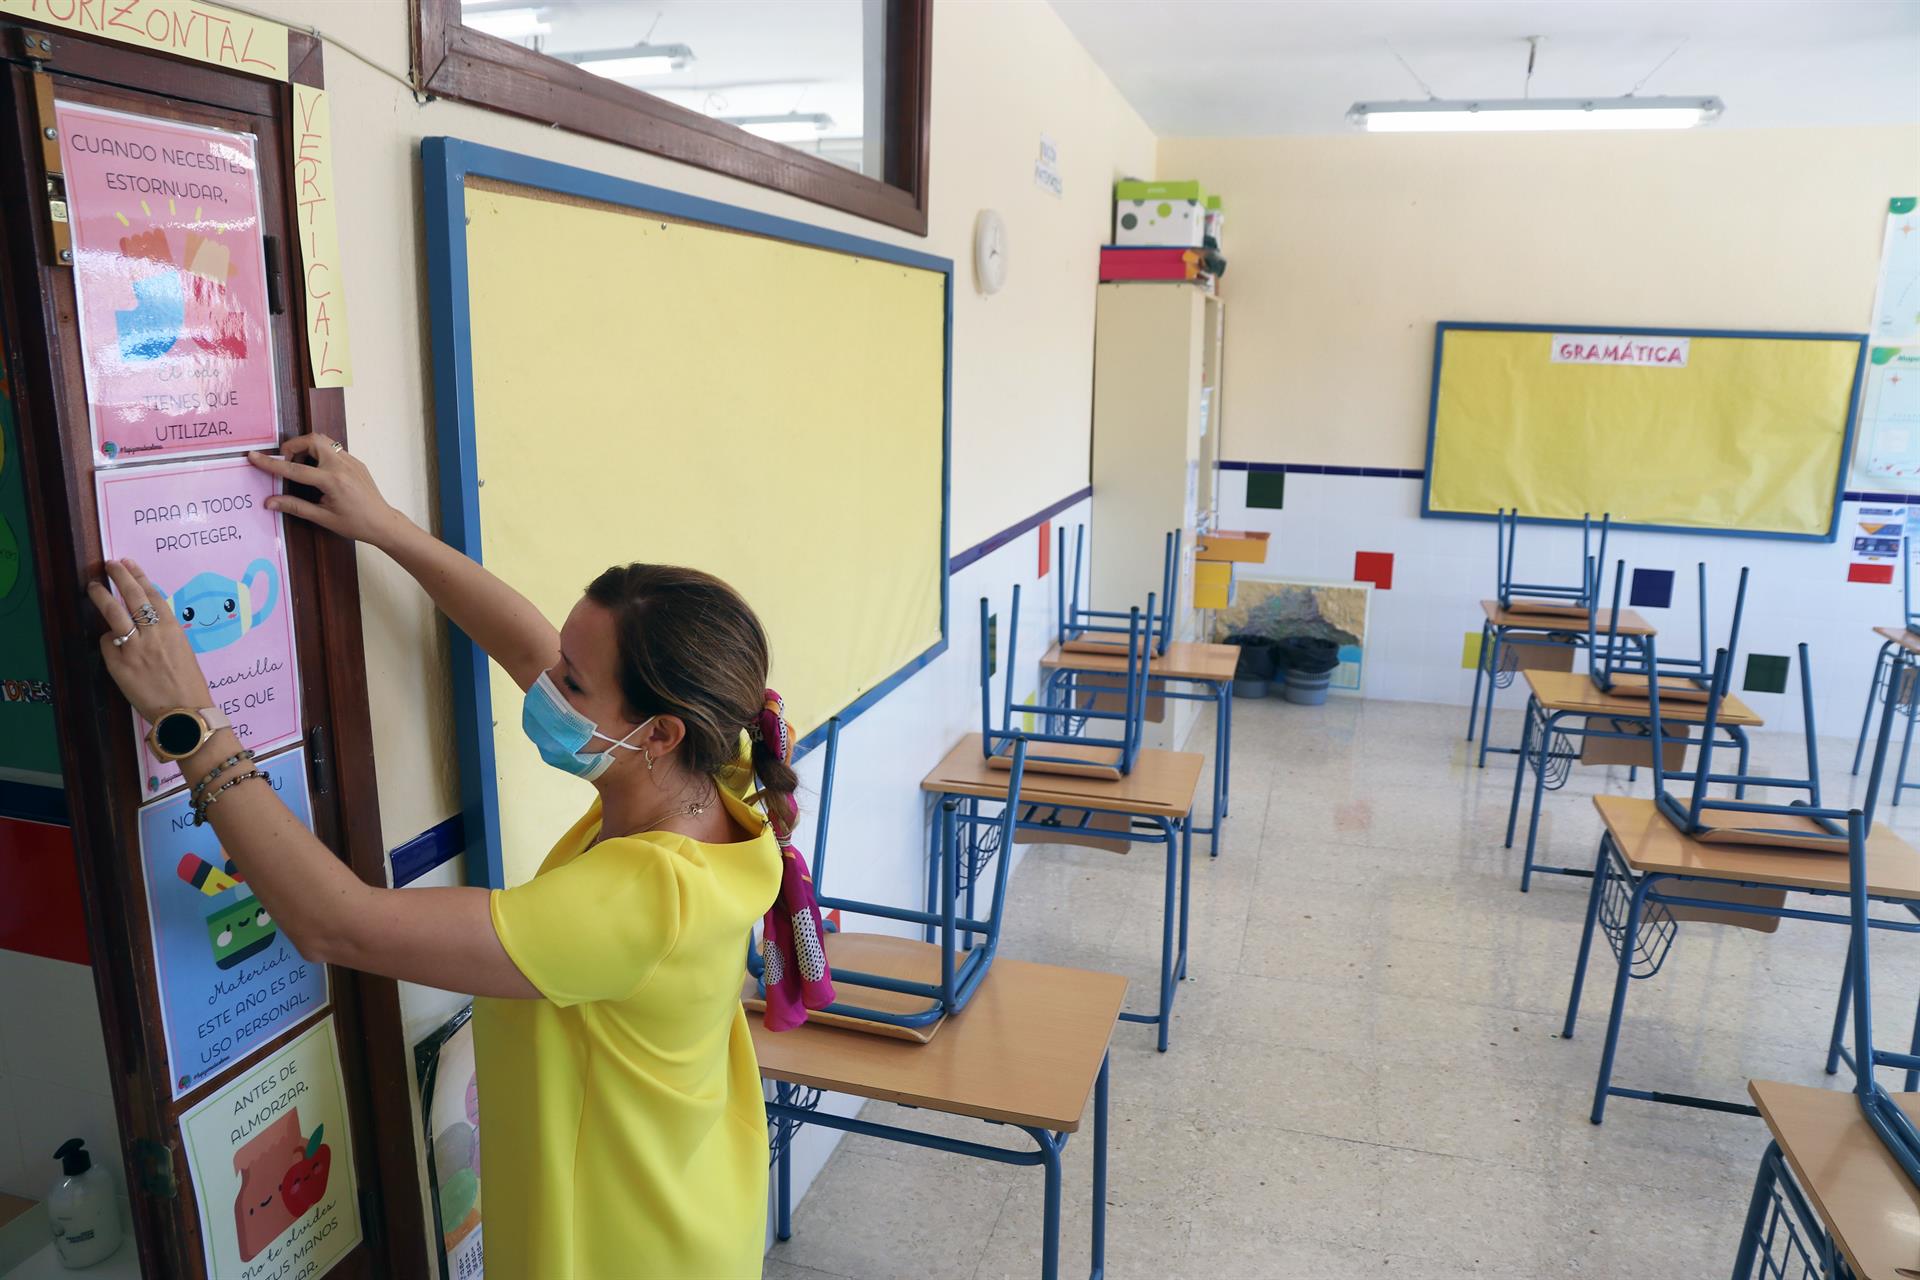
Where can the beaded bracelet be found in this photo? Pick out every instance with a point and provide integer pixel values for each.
(200, 788)
(200, 809)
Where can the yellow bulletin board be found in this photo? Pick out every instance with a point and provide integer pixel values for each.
(626, 373)
(1688, 431)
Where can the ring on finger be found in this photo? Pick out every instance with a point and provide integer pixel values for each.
(132, 631)
(145, 616)
(337, 446)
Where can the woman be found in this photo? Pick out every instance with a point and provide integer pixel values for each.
(625, 1130)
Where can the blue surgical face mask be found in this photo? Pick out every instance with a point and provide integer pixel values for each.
(561, 733)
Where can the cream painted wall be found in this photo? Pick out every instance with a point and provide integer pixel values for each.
(1004, 72)
(1344, 252)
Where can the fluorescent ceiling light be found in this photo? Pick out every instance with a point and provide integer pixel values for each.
(794, 126)
(1530, 115)
(508, 24)
(634, 61)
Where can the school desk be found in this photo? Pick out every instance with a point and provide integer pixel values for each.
(1893, 640)
(1540, 633)
(1646, 869)
(1188, 672)
(1026, 1051)
(1153, 805)
(1564, 705)
(1863, 1221)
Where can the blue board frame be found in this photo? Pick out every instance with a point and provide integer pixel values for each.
(445, 164)
(1846, 445)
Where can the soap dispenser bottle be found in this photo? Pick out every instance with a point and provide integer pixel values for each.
(84, 1210)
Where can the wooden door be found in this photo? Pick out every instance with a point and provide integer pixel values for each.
(98, 750)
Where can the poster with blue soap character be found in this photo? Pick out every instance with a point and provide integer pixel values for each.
(229, 980)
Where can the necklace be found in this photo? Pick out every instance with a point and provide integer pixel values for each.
(693, 810)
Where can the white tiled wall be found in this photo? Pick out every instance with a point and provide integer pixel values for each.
(1797, 591)
(53, 1072)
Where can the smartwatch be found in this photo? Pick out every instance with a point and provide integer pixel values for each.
(180, 732)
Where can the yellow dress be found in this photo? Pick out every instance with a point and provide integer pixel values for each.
(623, 1132)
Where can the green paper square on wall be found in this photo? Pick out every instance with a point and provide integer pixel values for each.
(1266, 490)
(1766, 673)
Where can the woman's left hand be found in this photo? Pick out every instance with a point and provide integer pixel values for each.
(154, 667)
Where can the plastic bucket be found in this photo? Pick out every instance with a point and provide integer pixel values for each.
(1244, 687)
(1309, 689)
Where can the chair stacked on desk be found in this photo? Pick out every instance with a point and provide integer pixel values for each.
(1896, 642)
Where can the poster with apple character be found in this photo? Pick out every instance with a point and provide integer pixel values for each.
(272, 1165)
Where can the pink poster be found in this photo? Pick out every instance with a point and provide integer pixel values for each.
(170, 272)
(203, 533)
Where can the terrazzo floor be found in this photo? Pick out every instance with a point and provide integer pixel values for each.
(1366, 1076)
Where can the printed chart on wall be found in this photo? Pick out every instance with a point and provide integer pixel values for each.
(170, 274)
(1890, 409)
(1878, 536)
(450, 1102)
(229, 980)
(272, 1165)
(203, 534)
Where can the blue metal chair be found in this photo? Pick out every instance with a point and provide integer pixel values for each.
(1090, 630)
(1543, 597)
(1624, 665)
(1064, 741)
(1737, 820)
(965, 842)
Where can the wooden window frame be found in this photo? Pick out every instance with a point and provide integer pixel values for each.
(453, 60)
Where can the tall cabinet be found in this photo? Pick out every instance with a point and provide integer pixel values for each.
(1156, 432)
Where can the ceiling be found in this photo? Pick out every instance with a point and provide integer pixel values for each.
(1202, 68)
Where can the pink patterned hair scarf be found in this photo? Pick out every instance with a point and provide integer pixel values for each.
(792, 949)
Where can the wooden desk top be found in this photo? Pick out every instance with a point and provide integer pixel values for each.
(1631, 623)
(1162, 784)
(1183, 660)
(1900, 636)
(1574, 691)
(1865, 1199)
(1026, 1050)
(1650, 843)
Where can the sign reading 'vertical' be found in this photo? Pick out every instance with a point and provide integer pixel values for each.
(169, 269)
(1625, 349)
(203, 533)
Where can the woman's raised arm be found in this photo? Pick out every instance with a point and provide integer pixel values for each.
(499, 619)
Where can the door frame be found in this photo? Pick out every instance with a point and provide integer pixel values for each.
(94, 743)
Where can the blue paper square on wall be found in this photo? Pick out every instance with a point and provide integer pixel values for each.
(1652, 588)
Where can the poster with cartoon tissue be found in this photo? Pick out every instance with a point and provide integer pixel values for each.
(203, 533)
(271, 1159)
(229, 979)
(169, 270)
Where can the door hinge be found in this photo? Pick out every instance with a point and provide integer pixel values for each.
(154, 1161)
(276, 291)
(373, 1222)
(47, 125)
(319, 763)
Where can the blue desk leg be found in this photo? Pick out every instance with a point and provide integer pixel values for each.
(1740, 736)
(1219, 771)
(1906, 745)
(1168, 910)
(1519, 768)
(1756, 1214)
(1225, 694)
(783, 1175)
(1841, 1010)
(1600, 873)
(1493, 685)
(1543, 753)
(1873, 688)
(1099, 1268)
(1479, 673)
(1050, 1230)
(1624, 976)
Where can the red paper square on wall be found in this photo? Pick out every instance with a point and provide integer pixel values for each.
(1375, 567)
(40, 910)
(1869, 573)
(1046, 547)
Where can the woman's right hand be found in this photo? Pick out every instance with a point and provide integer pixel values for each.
(350, 502)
